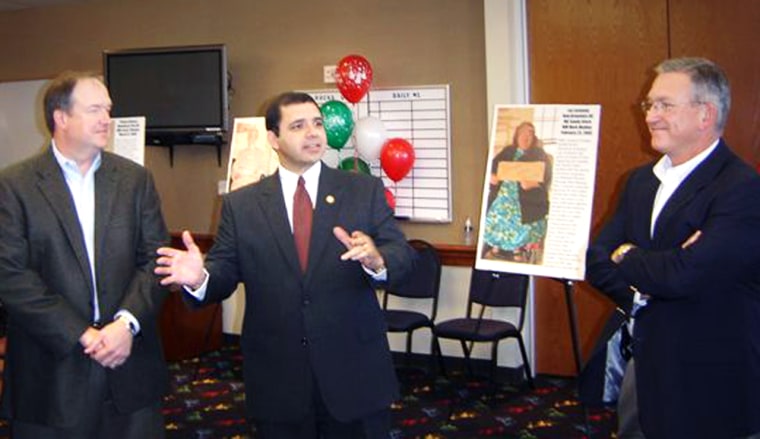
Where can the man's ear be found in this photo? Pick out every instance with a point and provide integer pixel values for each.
(708, 114)
(60, 117)
(272, 138)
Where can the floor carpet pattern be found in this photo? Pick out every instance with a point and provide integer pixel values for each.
(206, 401)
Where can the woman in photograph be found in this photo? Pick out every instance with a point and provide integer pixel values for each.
(516, 218)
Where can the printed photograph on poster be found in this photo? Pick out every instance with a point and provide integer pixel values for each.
(538, 190)
(126, 137)
(251, 156)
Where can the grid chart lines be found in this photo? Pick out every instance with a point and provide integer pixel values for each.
(421, 115)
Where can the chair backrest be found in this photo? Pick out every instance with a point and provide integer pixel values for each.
(495, 289)
(425, 280)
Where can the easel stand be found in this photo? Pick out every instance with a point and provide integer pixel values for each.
(573, 317)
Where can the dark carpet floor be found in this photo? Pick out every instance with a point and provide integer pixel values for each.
(206, 402)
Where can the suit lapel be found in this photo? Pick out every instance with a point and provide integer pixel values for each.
(273, 206)
(106, 183)
(53, 187)
(701, 176)
(645, 200)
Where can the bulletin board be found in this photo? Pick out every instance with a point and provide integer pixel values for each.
(421, 115)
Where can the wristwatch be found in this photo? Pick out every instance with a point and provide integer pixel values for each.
(620, 252)
(130, 326)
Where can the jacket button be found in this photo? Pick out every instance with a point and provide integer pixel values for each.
(304, 341)
(306, 300)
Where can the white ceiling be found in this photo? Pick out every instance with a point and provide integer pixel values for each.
(9, 5)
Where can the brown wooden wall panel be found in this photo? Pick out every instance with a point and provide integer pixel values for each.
(727, 33)
(583, 52)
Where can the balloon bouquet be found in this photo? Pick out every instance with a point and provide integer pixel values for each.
(354, 77)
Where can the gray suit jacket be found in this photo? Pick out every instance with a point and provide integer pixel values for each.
(324, 326)
(46, 286)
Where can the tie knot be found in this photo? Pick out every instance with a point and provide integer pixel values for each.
(301, 182)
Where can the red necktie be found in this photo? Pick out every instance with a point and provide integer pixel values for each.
(302, 213)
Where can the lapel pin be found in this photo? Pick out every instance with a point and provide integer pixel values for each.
(330, 199)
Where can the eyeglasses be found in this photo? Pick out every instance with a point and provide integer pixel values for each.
(663, 106)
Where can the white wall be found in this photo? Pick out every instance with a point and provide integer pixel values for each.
(22, 124)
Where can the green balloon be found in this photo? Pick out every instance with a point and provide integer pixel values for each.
(354, 164)
(338, 122)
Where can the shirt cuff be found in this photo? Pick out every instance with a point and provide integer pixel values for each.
(380, 276)
(200, 293)
(134, 324)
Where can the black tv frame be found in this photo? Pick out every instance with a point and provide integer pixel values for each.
(188, 135)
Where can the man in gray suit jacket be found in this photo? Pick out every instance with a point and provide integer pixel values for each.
(316, 356)
(78, 231)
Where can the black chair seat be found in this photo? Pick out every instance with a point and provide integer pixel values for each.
(488, 289)
(476, 330)
(404, 321)
(423, 284)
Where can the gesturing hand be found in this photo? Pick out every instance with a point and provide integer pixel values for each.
(360, 248)
(181, 267)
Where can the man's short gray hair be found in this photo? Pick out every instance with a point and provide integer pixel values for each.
(709, 81)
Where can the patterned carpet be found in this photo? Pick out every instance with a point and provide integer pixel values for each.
(206, 402)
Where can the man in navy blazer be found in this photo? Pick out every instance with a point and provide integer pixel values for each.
(316, 355)
(79, 228)
(682, 255)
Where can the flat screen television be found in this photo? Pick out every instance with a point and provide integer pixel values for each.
(181, 91)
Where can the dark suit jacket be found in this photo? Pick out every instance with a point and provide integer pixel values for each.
(326, 322)
(534, 203)
(697, 342)
(46, 286)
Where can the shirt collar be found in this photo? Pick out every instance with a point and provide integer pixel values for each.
(311, 176)
(664, 168)
(69, 165)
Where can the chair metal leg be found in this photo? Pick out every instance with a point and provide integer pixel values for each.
(526, 365)
(439, 353)
(494, 357)
(408, 348)
(467, 357)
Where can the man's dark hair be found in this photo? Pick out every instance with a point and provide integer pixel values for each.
(274, 110)
(58, 94)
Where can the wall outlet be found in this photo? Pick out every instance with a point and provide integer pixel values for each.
(328, 74)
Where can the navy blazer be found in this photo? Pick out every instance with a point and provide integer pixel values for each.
(324, 326)
(697, 342)
(46, 286)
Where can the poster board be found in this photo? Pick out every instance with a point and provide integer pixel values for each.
(531, 227)
(251, 156)
(126, 137)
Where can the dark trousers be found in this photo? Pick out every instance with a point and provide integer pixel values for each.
(628, 410)
(101, 419)
(627, 407)
(320, 424)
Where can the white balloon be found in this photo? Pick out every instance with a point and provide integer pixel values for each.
(370, 137)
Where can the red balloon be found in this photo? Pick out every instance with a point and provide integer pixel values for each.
(353, 76)
(397, 158)
(390, 198)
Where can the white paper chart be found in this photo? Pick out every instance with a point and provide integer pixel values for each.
(421, 116)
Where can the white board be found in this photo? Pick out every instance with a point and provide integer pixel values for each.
(421, 115)
(22, 123)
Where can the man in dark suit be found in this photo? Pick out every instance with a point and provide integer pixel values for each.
(682, 255)
(316, 357)
(78, 230)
